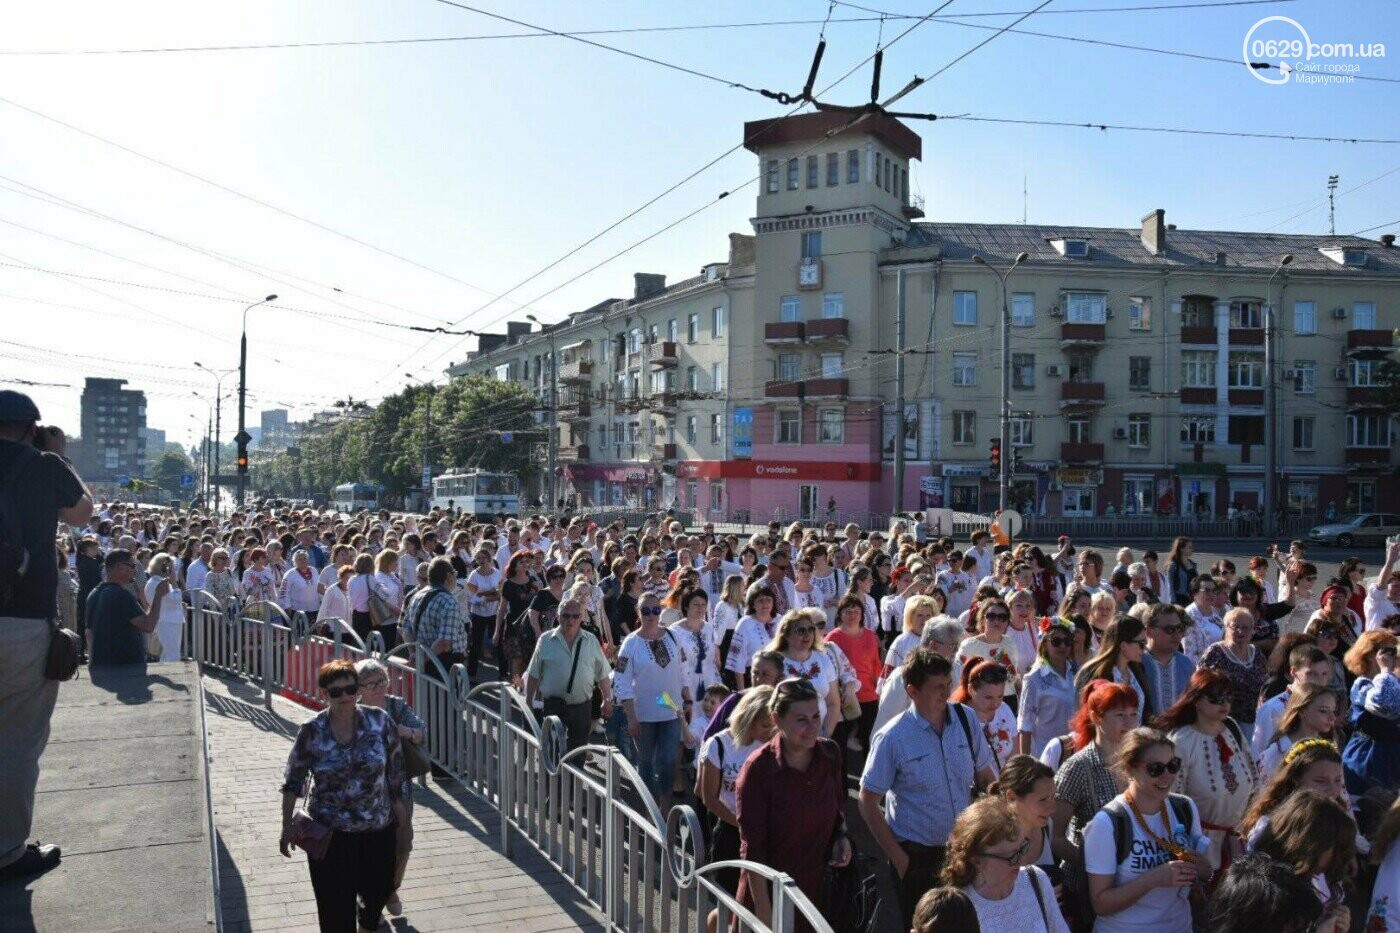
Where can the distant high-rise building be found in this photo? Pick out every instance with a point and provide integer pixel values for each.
(113, 430)
(155, 446)
(274, 427)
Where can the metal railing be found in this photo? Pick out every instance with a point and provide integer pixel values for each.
(586, 810)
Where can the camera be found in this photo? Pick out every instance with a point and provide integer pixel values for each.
(47, 437)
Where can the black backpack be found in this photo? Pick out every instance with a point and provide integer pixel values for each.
(14, 555)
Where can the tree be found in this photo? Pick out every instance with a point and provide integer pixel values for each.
(168, 470)
(1388, 386)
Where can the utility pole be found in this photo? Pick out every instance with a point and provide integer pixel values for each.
(1332, 203)
(899, 426)
(1271, 401)
(427, 477)
(218, 428)
(1004, 480)
(553, 450)
(242, 436)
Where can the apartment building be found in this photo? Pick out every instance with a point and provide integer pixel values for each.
(114, 431)
(1137, 358)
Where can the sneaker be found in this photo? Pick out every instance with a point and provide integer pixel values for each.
(37, 858)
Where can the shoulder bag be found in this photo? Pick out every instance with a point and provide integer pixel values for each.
(380, 611)
(309, 836)
(65, 648)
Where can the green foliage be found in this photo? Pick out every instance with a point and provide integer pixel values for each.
(1388, 386)
(166, 474)
(386, 446)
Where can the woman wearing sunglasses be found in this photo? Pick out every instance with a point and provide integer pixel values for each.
(1047, 692)
(993, 643)
(986, 858)
(1120, 660)
(1141, 850)
(1329, 642)
(799, 641)
(353, 754)
(650, 681)
(1217, 769)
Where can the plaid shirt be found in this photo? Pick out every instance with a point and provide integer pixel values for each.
(440, 618)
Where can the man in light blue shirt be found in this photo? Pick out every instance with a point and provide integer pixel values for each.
(923, 766)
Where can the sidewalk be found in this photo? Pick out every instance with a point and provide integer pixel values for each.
(456, 880)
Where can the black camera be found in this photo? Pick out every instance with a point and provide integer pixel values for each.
(44, 435)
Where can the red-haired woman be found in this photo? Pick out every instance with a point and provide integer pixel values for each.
(1217, 769)
(981, 690)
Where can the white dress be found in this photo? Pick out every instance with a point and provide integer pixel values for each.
(1220, 789)
(170, 626)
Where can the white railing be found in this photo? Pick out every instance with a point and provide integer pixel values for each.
(586, 810)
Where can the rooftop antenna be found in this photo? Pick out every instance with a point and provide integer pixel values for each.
(1023, 200)
(1332, 203)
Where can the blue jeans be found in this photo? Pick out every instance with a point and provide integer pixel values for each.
(657, 749)
(618, 736)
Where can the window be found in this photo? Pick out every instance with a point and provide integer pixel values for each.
(1023, 309)
(1023, 370)
(1086, 308)
(833, 305)
(790, 309)
(887, 173)
(634, 340)
(789, 423)
(1022, 430)
(690, 429)
(717, 377)
(1368, 430)
(901, 182)
(716, 495)
(792, 175)
(965, 308)
(1363, 315)
(1140, 373)
(717, 428)
(1197, 311)
(833, 365)
(964, 427)
(1080, 431)
(1363, 372)
(671, 330)
(811, 171)
(1305, 317)
(833, 169)
(1081, 367)
(831, 425)
(1246, 429)
(1198, 429)
(1246, 371)
(717, 322)
(789, 366)
(1361, 496)
(1305, 377)
(772, 176)
(964, 369)
(852, 166)
(692, 379)
(1139, 430)
(1303, 432)
(1198, 369)
(692, 328)
(1302, 497)
(1139, 314)
(812, 245)
(1247, 314)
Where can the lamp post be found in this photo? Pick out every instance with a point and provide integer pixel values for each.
(1270, 522)
(427, 478)
(552, 455)
(218, 426)
(208, 431)
(1004, 480)
(243, 385)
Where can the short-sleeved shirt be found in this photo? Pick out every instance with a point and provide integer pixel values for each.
(110, 609)
(1047, 703)
(926, 777)
(1085, 782)
(553, 660)
(728, 758)
(45, 485)
(1160, 910)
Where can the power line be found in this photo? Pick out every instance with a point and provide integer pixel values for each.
(1185, 131)
(1390, 223)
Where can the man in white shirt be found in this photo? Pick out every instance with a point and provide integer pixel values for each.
(714, 573)
(509, 546)
(198, 570)
(777, 580)
(1383, 599)
(1090, 573)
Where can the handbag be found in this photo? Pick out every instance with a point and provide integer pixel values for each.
(309, 836)
(380, 611)
(853, 895)
(415, 761)
(64, 650)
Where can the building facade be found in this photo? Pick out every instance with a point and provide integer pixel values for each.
(1138, 363)
(113, 431)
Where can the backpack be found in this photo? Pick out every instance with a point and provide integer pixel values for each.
(1123, 821)
(14, 555)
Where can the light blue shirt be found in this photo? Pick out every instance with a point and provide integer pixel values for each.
(926, 777)
(1047, 703)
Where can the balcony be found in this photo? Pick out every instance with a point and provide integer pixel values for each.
(1082, 335)
(575, 454)
(1365, 455)
(663, 451)
(828, 388)
(829, 330)
(1247, 397)
(576, 372)
(783, 332)
(782, 388)
(1370, 341)
(1081, 453)
(915, 208)
(1076, 394)
(1246, 337)
(663, 354)
(1364, 397)
(625, 404)
(662, 402)
(580, 409)
(1195, 395)
(1199, 336)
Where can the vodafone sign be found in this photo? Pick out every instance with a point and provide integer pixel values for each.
(791, 470)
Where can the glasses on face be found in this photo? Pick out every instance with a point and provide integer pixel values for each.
(1207, 589)
(650, 610)
(804, 630)
(1155, 769)
(1217, 698)
(576, 615)
(1012, 858)
(1059, 642)
(336, 693)
(997, 617)
(378, 683)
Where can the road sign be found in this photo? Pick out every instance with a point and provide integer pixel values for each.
(427, 477)
(123, 480)
(506, 437)
(1011, 522)
(243, 437)
(187, 480)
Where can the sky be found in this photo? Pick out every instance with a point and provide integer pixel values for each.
(148, 197)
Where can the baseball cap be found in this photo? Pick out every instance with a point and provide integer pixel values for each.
(16, 406)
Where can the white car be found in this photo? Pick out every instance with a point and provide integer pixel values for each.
(1364, 528)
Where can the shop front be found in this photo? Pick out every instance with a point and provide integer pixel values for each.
(807, 491)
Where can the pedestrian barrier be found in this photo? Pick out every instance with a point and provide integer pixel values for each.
(586, 810)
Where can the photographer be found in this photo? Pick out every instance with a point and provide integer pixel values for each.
(41, 488)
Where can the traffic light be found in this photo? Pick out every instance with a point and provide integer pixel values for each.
(242, 460)
(994, 457)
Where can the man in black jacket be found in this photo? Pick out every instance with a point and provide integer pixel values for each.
(43, 488)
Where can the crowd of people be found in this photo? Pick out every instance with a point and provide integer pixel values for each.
(1035, 736)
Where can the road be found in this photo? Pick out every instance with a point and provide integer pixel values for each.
(1240, 550)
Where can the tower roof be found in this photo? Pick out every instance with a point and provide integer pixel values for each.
(807, 127)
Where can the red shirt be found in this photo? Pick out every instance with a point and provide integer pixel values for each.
(863, 651)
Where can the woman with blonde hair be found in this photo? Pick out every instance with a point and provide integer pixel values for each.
(1312, 764)
(799, 641)
(917, 611)
(722, 757)
(389, 588)
(984, 855)
(171, 624)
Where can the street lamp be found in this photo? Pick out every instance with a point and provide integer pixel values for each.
(427, 427)
(208, 430)
(1004, 480)
(218, 425)
(1270, 401)
(243, 437)
(553, 412)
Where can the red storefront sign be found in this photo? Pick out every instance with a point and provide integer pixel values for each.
(790, 470)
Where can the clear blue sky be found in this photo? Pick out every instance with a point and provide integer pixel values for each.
(485, 160)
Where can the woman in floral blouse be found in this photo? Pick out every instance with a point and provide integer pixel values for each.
(356, 762)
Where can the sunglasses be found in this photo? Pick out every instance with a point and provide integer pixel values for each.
(1155, 769)
(1172, 630)
(1002, 616)
(336, 693)
(650, 611)
(804, 630)
(1220, 698)
(1059, 642)
(576, 615)
(1014, 857)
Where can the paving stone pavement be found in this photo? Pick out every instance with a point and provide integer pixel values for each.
(457, 878)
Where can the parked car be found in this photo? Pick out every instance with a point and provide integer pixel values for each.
(1363, 528)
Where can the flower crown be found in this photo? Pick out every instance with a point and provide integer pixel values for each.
(1298, 749)
(1050, 622)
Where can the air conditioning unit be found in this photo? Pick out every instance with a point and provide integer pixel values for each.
(1053, 370)
(1339, 373)
(1056, 312)
(1120, 434)
(1290, 374)
(1339, 313)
